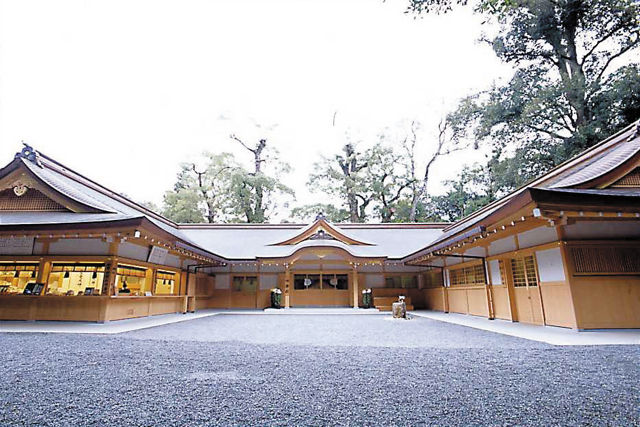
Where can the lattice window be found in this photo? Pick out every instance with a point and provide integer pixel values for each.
(32, 200)
(607, 260)
(467, 276)
(523, 271)
(632, 179)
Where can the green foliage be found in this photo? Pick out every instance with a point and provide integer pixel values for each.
(251, 195)
(369, 182)
(469, 192)
(565, 94)
(308, 213)
(183, 206)
(342, 177)
(223, 191)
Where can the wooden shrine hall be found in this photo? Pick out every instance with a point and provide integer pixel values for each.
(564, 250)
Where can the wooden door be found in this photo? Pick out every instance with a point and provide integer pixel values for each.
(528, 303)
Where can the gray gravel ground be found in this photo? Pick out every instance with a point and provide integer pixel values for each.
(313, 370)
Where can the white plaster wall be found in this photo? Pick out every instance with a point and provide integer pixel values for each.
(223, 281)
(477, 251)
(17, 246)
(550, 265)
(602, 230)
(537, 236)
(454, 261)
(326, 267)
(245, 268)
(374, 280)
(133, 251)
(172, 261)
(79, 247)
(268, 281)
(494, 270)
(272, 268)
(446, 278)
(503, 245)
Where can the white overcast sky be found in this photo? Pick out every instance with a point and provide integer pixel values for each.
(122, 91)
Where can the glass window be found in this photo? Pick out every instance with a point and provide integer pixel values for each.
(166, 283)
(402, 281)
(244, 283)
(335, 281)
(523, 271)
(468, 276)
(131, 280)
(16, 277)
(306, 281)
(76, 279)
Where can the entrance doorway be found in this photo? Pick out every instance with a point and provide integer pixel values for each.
(320, 289)
(526, 290)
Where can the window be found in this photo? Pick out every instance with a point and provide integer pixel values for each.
(401, 281)
(244, 283)
(335, 281)
(131, 280)
(523, 271)
(433, 279)
(76, 279)
(166, 283)
(468, 276)
(606, 260)
(14, 277)
(324, 281)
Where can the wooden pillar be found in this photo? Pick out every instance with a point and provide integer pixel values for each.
(356, 288)
(191, 292)
(489, 285)
(511, 293)
(287, 285)
(109, 281)
(445, 291)
(44, 269)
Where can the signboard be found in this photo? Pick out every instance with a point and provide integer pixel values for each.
(16, 245)
(158, 255)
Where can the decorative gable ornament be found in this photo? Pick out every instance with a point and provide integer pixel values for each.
(20, 189)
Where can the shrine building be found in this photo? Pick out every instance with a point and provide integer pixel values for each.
(564, 250)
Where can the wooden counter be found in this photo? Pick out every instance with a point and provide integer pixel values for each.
(87, 308)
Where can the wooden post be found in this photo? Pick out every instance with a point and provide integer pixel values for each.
(511, 293)
(356, 288)
(445, 290)
(44, 269)
(488, 285)
(287, 283)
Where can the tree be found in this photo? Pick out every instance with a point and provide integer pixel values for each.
(445, 145)
(342, 176)
(253, 193)
(202, 194)
(467, 193)
(308, 213)
(387, 179)
(566, 93)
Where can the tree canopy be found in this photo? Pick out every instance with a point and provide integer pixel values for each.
(575, 82)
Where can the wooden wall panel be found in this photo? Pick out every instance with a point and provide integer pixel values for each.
(458, 300)
(319, 297)
(556, 298)
(434, 299)
(501, 302)
(477, 302)
(607, 301)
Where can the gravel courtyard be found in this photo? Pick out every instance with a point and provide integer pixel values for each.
(313, 370)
